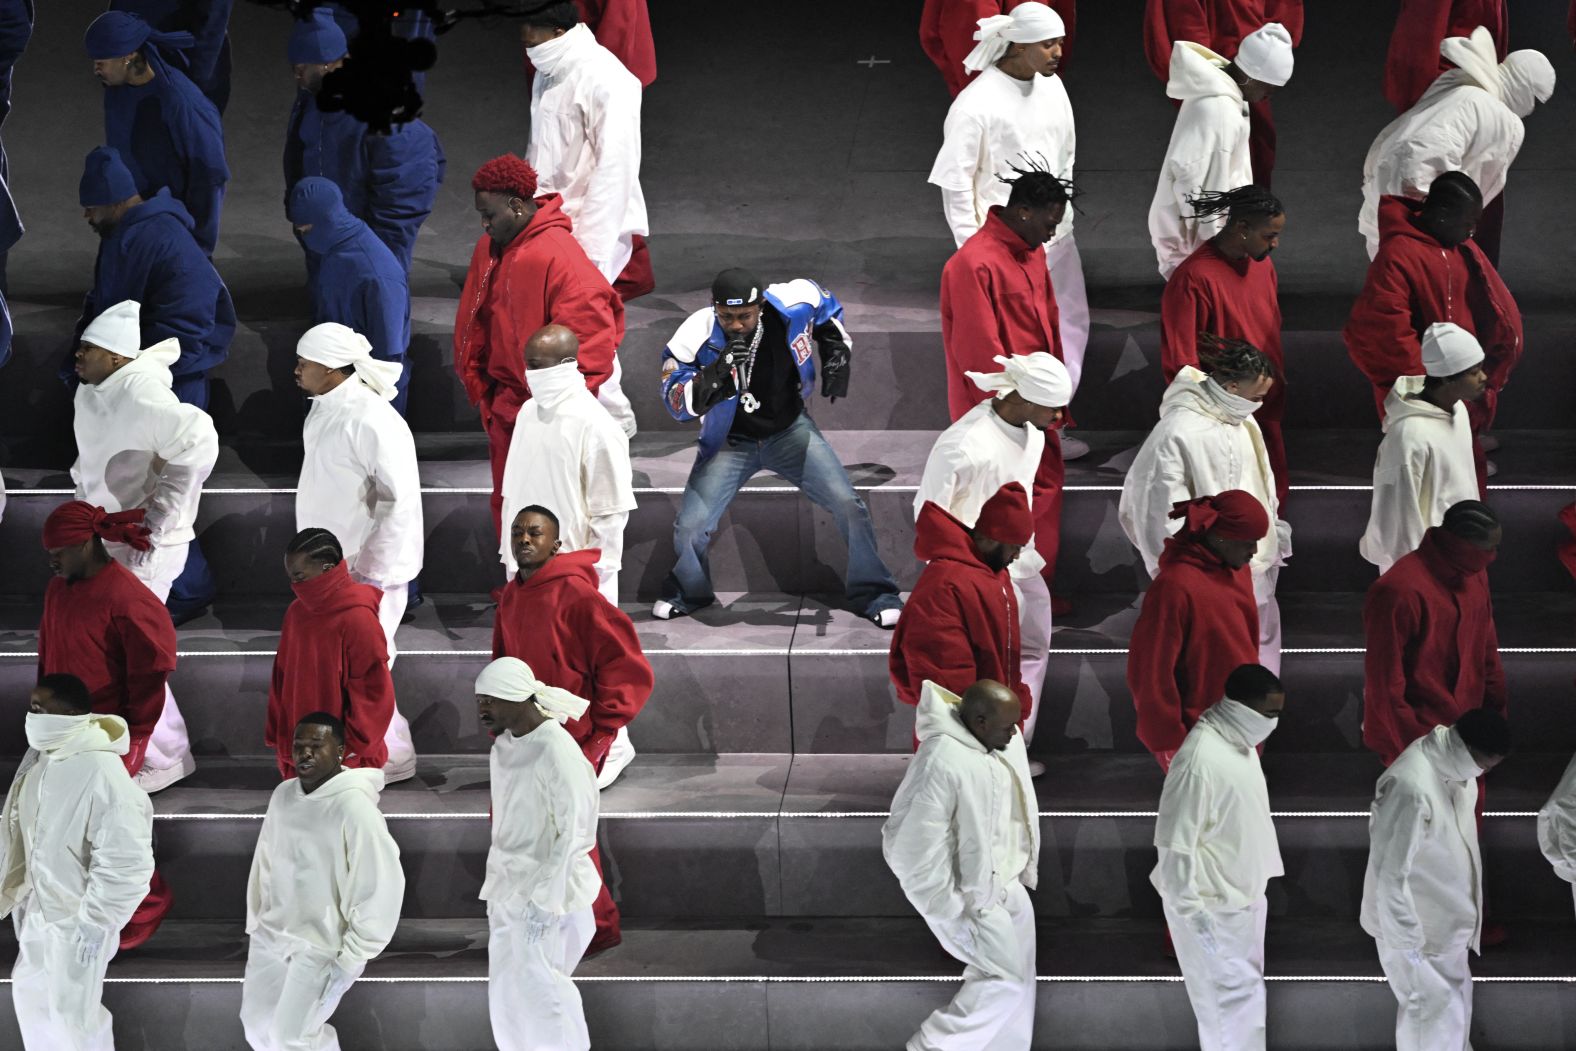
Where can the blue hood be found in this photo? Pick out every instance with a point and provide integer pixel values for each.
(159, 204)
(317, 202)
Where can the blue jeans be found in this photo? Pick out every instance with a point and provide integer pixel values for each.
(801, 457)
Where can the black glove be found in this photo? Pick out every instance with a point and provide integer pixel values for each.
(715, 382)
(836, 364)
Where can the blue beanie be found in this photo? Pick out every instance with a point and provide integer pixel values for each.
(318, 39)
(117, 33)
(105, 179)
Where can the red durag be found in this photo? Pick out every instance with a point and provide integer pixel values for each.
(1231, 515)
(78, 521)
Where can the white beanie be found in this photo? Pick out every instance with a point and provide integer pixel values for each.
(118, 330)
(1039, 378)
(1449, 349)
(1266, 54)
(1027, 24)
(336, 346)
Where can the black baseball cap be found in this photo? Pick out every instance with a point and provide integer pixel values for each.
(736, 288)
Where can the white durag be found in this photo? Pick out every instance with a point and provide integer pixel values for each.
(1039, 378)
(336, 346)
(1028, 24)
(511, 679)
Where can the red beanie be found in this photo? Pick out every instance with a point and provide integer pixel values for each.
(1231, 515)
(507, 175)
(1005, 518)
(78, 522)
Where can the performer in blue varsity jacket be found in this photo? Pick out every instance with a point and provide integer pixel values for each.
(744, 367)
(207, 61)
(166, 130)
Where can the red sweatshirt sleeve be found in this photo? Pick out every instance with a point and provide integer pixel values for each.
(1166, 22)
(969, 331)
(1152, 658)
(931, 642)
(1390, 619)
(580, 299)
(147, 639)
(621, 676)
(1379, 334)
(369, 692)
(1288, 13)
(1183, 313)
(470, 351)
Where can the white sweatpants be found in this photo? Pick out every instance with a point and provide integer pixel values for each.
(1269, 618)
(1034, 641)
(284, 998)
(1227, 988)
(532, 1001)
(1072, 301)
(994, 1009)
(58, 1002)
(1434, 997)
(169, 745)
(611, 395)
(401, 763)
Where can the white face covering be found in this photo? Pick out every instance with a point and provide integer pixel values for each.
(547, 55)
(552, 385)
(1247, 725)
(48, 732)
(1233, 407)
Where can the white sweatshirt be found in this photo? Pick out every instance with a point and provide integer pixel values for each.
(138, 446)
(360, 482)
(570, 456)
(77, 840)
(1217, 843)
(1424, 466)
(326, 873)
(585, 144)
(1208, 151)
(965, 821)
(1557, 826)
(1199, 448)
(544, 804)
(998, 121)
(974, 458)
(1424, 888)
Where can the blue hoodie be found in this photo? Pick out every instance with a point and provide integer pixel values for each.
(359, 282)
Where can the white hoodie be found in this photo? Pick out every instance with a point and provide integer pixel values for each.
(585, 144)
(77, 840)
(138, 446)
(360, 482)
(545, 805)
(1424, 466)
(1204, 444)
(1216, 838)
(965, 821)
(1557, 826)
(1208, 151)
(326, 873)
(1423, 890)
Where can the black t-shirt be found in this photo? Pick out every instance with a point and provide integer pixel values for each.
(774, 381)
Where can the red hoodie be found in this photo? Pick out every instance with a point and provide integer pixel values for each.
(961, 622)
(1198, 624)
(574, 638)
(112, 633)
(1432, 651)
(542, 277)
(1219, 25)
(1414, 62)
(1415, 281)
(332, 658)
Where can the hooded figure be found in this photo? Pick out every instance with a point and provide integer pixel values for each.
(1557, 827)
(1206, 443)
(76, 857)
(1198, 622)
(151, 256)
(207, 60)
(322, 900)
(1425, 462)
(167, 132)
(963, 840)
(1469, 120)
(970, 463)
(389, 181)
(359, 283)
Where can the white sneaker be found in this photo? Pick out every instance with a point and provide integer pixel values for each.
(1073, 448)
(152, 780)
(1036, 768)
(1493, 468)
(394, 773)
(619, 756)
(887, 619)
(662, 609)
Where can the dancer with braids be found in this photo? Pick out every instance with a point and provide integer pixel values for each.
(1206, 443)
(1228, 287)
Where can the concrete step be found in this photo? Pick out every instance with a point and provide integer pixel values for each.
(811, 985)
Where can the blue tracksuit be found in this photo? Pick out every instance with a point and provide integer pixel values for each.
(207, 62)
(16, 28)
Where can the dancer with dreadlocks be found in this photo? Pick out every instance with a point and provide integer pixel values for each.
(1016, 112)
(1228, 286)
(1207, 442)
(997, 302)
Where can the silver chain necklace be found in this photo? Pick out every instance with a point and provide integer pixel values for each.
(747, 401)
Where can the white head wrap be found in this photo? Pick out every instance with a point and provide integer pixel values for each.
(1266, 54)
(118, 330)
(336, 345)
(1027, 24)
(511, 679)
(1523, 80)
(1039, 378)
(1449, 349)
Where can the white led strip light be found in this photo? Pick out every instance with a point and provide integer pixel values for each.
(832, 979)
(769, 815)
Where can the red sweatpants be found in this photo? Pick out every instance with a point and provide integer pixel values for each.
(608, 931)
(1261, 141)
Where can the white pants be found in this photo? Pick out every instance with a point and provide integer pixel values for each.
(611, 395)
(533, 1003)
(1072, 301)
(401, 763)
(1034, 641)
(994, 1010)
(58, 1001)
(169, 745)
(1435, 998)
(1226, 987)
(284, 998)
(1269, 619)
